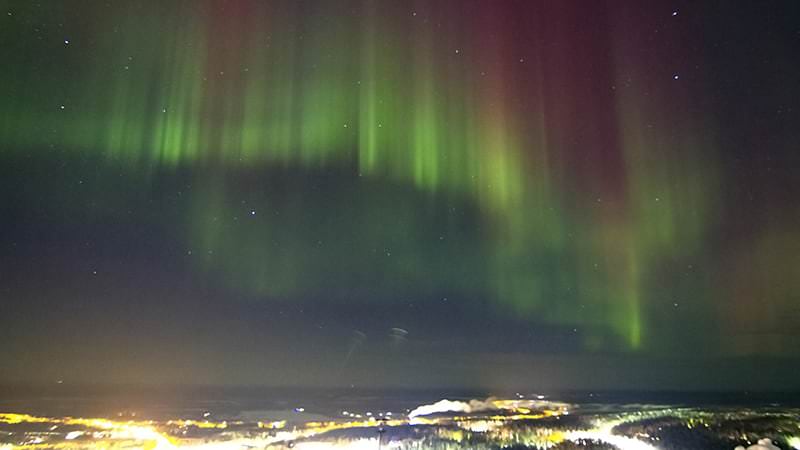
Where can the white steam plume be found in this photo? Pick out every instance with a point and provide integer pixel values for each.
(474, 405)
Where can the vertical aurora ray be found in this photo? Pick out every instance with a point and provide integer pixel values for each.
(177, 133)
(153, 116)
(369, 122)
(671, 180)
(269, 103)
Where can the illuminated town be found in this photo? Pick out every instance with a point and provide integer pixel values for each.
(476, 424)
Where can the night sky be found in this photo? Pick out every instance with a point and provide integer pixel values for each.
(461, 193)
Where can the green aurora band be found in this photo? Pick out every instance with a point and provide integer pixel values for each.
(570, 201)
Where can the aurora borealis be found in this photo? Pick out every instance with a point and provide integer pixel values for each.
(499, 180)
